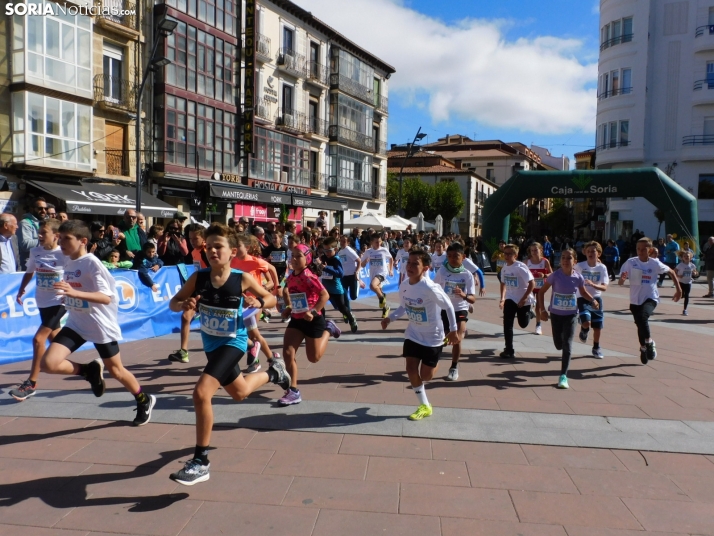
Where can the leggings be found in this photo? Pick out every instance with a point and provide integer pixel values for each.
(672, 266)
(686, 287)
(340, 303)
(563, 331)
(641, 314)
(349, 282)
(510, 311)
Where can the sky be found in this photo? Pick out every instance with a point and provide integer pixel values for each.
(514, 70)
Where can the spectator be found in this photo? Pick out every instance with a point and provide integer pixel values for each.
(29, 226)
(134, 236)
(62, 217)
(245, 222)
(101, 244)
(259, 233)
(112, 261)
(51, 211)
(172, 246)
(321, 221)
(547, 249)
(9, 247)
(612, 257)
(708, 255)
(141, 221)
(155, 232)
(181, 217)
(269, 231)
(146, 262)
(670, 257)
(660, 249)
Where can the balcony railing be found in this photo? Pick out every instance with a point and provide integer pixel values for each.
(290, 121)
(351, 187)
(114, 92)
(379, 192)
(704, 84)
(706, 139)
(626, 38)
(381, 103)
(316, 73)
(612, 145)
(291, 62)
(317, 126)
(349, 86)
(262, 48)
(352, 138)
(704, 29)
(615, 92)
(262, 109)
(318, 181)
(117, 162)
(128, 21)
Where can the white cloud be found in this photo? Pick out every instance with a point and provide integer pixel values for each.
(468, 70)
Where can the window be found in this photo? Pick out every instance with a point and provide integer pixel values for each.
(613, 134)
(490, 173)
(288, 41)
(624, 133)
(709, 127)
(51, 132)
(706, 187)
(351, 114)
(352, 68)
(616, 32)
(710, 74)
(113, 72)
(626, 81)
(618, 82)
(279, 157)
(351, 170)
(217, 13)
(287, 99)
(711, 17)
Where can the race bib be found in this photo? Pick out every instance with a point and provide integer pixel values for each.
(277, 256)
(687, 273)
(510, 281)
(327, 276)
(635, 276)
(377, 263)
(591, 276)
(299, 302)
(539, 282)
(450, 286)
(77, 305)
(564, 302)
(46, 280)
(417, 314)
(218, 321)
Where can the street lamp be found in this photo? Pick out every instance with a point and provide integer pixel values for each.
(164, 28)
(410, 151)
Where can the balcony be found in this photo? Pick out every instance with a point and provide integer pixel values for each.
(114, 93)
(290, 121)
(351, 138)
(317, 74)
(703, 92)
(615, 92)
(381, 104)
(350, 187)
(349, 86)
(379, 193)
(263, 110)
(120, 21)
(291, 62)
(317, 127)
(262, 48)
(697, 148)
(616, 41)
(318, 181)
(117, 161)
(706, 139)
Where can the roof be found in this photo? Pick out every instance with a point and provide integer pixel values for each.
(439, 170)
(480, 153)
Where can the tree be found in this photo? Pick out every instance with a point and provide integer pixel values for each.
(417, 196)
(447, 201)
(659, 214)
(516, 226)
(558, 219)
(392, 194)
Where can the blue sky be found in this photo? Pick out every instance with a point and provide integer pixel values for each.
(515, 70)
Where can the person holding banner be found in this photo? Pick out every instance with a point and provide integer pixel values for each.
(46, 262)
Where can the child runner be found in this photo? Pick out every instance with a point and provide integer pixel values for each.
(642, 272)
(438, 258)
(460, 287)
(686, 270)
(91, 299)
(350, 270)
(596, 280)
(423, 301)
(332, 280)
(277, 254)
(381, 265)
(517, 286)
(499, 258)
(46, 261)
(219, 294)
(403, 257)
(540, 268)
(566, 282)
(305, 299)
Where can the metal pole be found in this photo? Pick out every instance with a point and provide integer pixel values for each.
(410, 148)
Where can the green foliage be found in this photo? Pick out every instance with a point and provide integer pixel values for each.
(392, 194)
(558, 219)
(517, 225)
(447, 201)
(443, 198)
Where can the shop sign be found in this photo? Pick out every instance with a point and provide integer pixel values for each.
(229, 177)
(278, 187)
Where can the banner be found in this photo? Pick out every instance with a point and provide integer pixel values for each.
(142, 313)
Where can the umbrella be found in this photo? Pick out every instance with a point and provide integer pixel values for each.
(455, 225)
(401, 221)
(375, 221)
(420, 222)
(439, 225)
(426, 226)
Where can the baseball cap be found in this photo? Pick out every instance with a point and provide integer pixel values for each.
(178, 215)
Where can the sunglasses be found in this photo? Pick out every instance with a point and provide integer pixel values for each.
(101, 230)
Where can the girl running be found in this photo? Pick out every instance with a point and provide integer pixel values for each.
(686, 270)
(540, 268)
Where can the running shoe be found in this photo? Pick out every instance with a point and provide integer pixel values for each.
(333, 329)
(268, 316)
(276, 355)
(143, 411)
(507, 354)
(539, 329)
(563, 382)
(597, 353)
(651, 349)
(95, 376)
(291, 398)
(253, 352)
(179, 356)
(192, 473)
(23, 392)
(453, 374)
(643, 355)
(424, 410)
(385, 311)
(283, 379)
(709, 295)
(253, 367)
(531, 314)
(583, 335)
(345, 319)
(685, 313)
(354, 326)
(383, 302)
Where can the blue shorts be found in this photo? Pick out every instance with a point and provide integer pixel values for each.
(588, 314)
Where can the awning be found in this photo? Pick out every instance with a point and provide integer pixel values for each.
(235, 192)
(322, 203)
(106, 199)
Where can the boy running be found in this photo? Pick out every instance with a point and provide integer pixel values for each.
(350, 270)
(332, 280)
(686, 271)
(277, 255)
(219, 294)
(459, 285)
(540, 268)
(403, 257)
(438, 258)
(46, 261)
(423, 301)
(596, 281)
(381, 266)
(91, 300)
(517, 286)
(642, 271)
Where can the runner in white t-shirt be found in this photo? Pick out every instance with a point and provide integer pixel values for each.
(350, 267)
(381, 266)
(596, 281)
(47, 262)
(423, 300)
(403, 257)
(438, 258)
(517, 286)
(642, 271)
(686, 271)
(90, 296)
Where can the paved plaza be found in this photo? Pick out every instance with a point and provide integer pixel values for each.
(627, 450)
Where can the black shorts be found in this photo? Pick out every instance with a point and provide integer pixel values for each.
(51, 316)
(379, 277)
(71, 339)
(461, 316)
(313, 329)
(429, 355)
(223, 364)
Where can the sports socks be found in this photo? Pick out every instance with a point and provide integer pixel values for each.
(201, 454)
(421, 394)
(141, 397)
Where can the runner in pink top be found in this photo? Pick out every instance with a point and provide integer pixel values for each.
(305, 299)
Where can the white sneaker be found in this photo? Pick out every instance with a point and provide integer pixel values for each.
(453, 374)
(539, 330)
